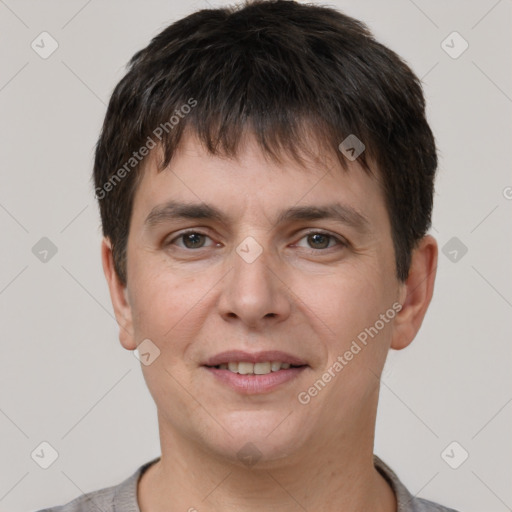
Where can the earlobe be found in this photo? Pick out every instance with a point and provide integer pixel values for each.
(119, 297)
(416, 293)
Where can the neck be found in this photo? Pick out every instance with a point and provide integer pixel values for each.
(334, 473)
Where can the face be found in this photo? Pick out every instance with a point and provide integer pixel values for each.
(270, 263)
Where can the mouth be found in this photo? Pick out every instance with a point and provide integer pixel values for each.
(248, 368)
(255, 373)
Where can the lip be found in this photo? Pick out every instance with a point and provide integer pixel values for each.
(255, 384)
(255, 357)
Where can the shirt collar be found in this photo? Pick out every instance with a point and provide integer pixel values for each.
(125, 499)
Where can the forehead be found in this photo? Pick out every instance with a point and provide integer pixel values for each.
(254, 183)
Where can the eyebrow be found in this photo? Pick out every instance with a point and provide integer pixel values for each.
(175, 210)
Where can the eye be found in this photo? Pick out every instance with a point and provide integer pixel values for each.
(191, 240)
(321, 240)
(317, 240)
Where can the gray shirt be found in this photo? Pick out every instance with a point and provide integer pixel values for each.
(123, 497)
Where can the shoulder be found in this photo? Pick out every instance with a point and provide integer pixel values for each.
(117, 498)
(101, 499)
(423, 505)
(405, 500)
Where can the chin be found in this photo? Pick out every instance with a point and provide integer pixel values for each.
(259, 439)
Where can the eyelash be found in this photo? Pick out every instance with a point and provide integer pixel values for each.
(340, 241)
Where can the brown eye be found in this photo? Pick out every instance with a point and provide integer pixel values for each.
(319, 240)
(190, 240)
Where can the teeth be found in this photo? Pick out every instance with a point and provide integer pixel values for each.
(276, 366)
(261, 368)
(246, 368)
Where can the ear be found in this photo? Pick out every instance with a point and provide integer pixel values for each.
(416, 293)
(119, 297)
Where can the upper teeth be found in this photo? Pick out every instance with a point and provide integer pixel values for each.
(245, 368)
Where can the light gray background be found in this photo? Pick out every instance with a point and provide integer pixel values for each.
(64, 377)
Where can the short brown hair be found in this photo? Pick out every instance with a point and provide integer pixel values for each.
(272, 67)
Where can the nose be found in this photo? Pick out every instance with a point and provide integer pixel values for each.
(254, 293)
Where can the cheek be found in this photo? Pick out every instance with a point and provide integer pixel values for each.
(344, 304)
(171, 307)
(345, 312)
(162, 300)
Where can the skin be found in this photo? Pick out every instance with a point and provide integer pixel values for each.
(308, 297)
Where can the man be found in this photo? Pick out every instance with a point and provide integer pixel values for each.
(265, 180)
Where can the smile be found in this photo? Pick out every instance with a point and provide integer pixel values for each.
(247, 368)
(253, 383)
